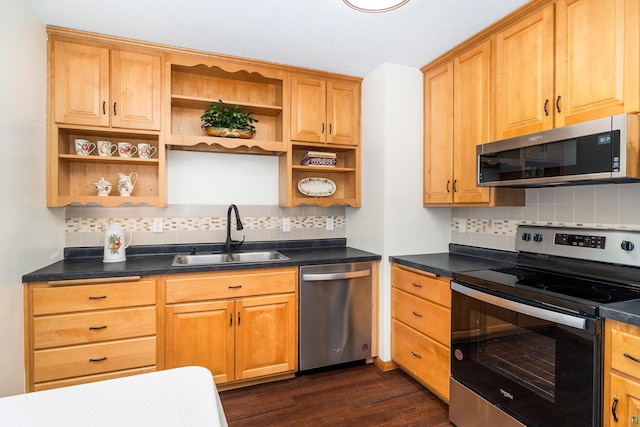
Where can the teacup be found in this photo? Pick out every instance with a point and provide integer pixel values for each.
(146, 151)
(84, 147)
(106, 148)
(126, 149)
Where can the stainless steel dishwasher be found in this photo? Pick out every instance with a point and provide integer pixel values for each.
(334, 314)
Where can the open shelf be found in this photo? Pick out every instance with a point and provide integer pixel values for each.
(74, 175)
(194, 88)
(198, 103)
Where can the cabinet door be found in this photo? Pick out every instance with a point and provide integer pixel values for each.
(438, 136)
(525, 76)
(597, 69)
(472, 73)
(308, 109)
(81, 84)
(343, 113)
(202, 334)
(135, 83)
(625, 398)
(266, 339)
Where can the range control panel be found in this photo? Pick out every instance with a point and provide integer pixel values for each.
(583, 240)
(601, 245)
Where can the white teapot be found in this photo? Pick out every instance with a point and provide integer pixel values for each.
(114, 243)
(126, 183)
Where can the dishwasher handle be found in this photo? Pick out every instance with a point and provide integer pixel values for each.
(319, 277)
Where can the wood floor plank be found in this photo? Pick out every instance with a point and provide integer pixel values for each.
(355, 396)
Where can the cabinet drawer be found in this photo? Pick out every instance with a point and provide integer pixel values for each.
(434, 289)
(422, 315)
(92, 378)
(82, 328)
(201, 287)
(624, 347)
(92, 359)
(65, 299)
(420, 356)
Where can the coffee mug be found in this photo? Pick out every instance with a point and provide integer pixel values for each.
(146, 151)
(106, 148)
(126, 149)
(84, 147)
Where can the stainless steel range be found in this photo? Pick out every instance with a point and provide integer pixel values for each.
(526, 342)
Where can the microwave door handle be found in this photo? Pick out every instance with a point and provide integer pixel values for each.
(540, 313)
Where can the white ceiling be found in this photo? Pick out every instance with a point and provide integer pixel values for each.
(319, 34)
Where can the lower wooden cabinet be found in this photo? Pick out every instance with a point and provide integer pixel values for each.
(88, 330)
(240, 325)
(621, 374)
(421, 327)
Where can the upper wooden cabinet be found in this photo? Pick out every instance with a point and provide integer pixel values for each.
(108, 88)
(456, 105)
(325, 111)
(568, 62)
(96, 86)
(102, 90)
(325, 117)
(524, 76)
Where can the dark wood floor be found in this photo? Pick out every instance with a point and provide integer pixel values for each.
(355, 396)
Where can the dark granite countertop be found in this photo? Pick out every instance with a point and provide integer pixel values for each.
(625, 311)
(86, 263)
(459, 258)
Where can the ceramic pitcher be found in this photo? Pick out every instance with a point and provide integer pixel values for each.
(126, 183)
(114, 243)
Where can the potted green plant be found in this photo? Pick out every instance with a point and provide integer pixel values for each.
(221, 121)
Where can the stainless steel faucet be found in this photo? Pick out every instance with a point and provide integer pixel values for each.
(231, 244)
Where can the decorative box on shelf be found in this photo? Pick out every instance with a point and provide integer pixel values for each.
(319, 158)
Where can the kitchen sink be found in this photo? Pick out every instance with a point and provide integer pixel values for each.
(237, 257)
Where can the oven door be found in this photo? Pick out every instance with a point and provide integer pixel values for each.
(538, 365)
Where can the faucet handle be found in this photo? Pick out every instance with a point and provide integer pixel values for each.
(238, 243)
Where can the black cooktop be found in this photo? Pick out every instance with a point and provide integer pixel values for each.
(578, 294)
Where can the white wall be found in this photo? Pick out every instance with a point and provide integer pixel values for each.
(215, 178)
(392, 220)
(32, 235)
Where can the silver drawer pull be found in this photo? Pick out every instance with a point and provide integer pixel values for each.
(416, 285)
(628, 356)
(100, 297)
(416, 355)
(235, 287)
(416, 314)
(102, 359)
(97, 328)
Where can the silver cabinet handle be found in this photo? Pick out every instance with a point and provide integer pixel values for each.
(319, 277)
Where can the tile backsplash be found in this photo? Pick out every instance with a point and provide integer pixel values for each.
(614, 206)
(85, 225)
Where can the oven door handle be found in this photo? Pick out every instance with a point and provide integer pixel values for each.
(541, 313)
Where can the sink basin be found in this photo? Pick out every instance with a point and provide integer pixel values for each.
(237, 257)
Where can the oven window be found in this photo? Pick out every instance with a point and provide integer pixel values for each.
(537, 370)
(525, 355)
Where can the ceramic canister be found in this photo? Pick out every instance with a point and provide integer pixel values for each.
(114, 244)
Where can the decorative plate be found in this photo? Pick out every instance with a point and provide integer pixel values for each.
(316, 187)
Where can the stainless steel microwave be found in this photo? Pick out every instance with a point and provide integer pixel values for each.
(602, 150)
